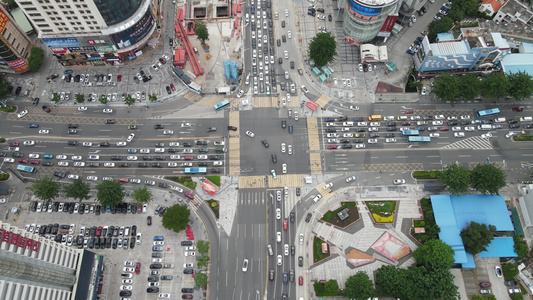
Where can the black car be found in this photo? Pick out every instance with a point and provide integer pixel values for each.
(233, 128)
(187, 290)
(152, 289)
(389, 135)
(274, 158)
(17, 91)
(47, 163)
(308, 217)
(330, 18)
(36, 101)
(203, 150)
(391, 128)
(104, 144)
(59, 174)
(216, 171)
(17, 154)
(188, 271)
(158, 126)
(291, 217)
(298, 191)
(144, 165)
(156, 266)
(148, 157)
(110, 121)
(157, 165)
(169, 91)
(160, 157)
(172, 150)
(116, 157)
(346, 146)
(167, 277)
(300, 261)
(72, 143)
(452, 123)
(163, 185)
(157, 254)
(201, 142)
(514, 125)
(128, 293)
(292, 64)
(186, 243)
(115, 243)
(203, 164)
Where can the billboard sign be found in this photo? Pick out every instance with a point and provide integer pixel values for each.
(61, 42)
(59, 50)
(136, 33)
(364, 10)
(3, 22)
(87, 49)
(18, 65)
(387, 27)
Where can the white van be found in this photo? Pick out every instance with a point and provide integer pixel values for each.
(270, 250)
(347, 124)
(247, 18)
(526, 119)
(499, 120)
(484, 127)
(403, 118)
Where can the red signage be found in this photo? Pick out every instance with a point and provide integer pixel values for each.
(36, 246)
(312, 105)
(14, 238)
(7, 236)
(29, 243)
(22, 241)
(59, 50)
(389, 24)
(3, 22)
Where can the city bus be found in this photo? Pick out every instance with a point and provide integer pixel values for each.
(418, 139)
(195, 170)
(221, 105)
(374, 118)
(26, 169)
(410, 133)
(488, 113)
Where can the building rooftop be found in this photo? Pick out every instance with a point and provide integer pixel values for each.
(449, 48)
(477, 37)
(518, 62)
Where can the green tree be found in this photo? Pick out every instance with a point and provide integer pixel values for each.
(5, 87)
(435, 284)
(510, 271)
(142, 195)
(152, 97)
(78, 190)
(521, 248)
(202, 246)
(201, 31)
(331, 286)
(80, 98)
(35, 61)
(446, 88)
(200, 279)
(359, 287)
(45, 189)
(129, 100)
(520, 85)
(203, 261)
(469, 7)
(476, 237)
(391, 280)
(469, 87)
(434, 254)
(517, 296)
(487, 179)
(456, 14)
(456, 179)
(110, 192)
(495, 86)
(103, 99)
(323, 48)
(318, 287)
(176, 218)
(56, 98)
(439, 26)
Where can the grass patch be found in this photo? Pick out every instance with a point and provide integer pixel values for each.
(185, 180)
(431, 227)
(333, 218)
(434, 174)
(4, 176)
(215, 206)
(317, 250)
(214, 179)
(523, 138)
(328, 288)
(382, 211)
(8, 109)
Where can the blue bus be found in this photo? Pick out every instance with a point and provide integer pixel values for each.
(418, 139)
(26, 169)
(221, 105)
(488, 113)
(195, 170)
(410, 133)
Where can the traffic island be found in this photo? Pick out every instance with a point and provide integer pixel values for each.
(321, 249)
(343, 216)
(382, 211)
(215, 207)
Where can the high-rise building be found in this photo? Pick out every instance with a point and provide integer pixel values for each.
(35, 268)
(93, 32)
(365, 19)
(15, 46)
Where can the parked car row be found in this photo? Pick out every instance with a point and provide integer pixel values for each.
(82, 208)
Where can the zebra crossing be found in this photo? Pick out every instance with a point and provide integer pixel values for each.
(474, 143)
(269, 196)
(257, 197)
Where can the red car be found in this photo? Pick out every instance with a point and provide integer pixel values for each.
(23, 160)
(518, 109)
(444, 129)
(34, 162)
(301, 280)
(485, 284)
(99, 231)
(188, 158)
(285, 225)
(172, 87)
(189, 195)
(138, 268)
(119, 78)
(332, 147)
(139, 208)
(408, 111)
(13, 144)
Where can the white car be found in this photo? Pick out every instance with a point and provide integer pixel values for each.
(87, 144)
(240, 94)
(284, 168)
(168, 132)
(399, 181)
(329, 185)
(391, 140)
(456, 128)
(131, 157)
(450, 118)
(373, 129)
(304, 89)
(350, 179)
(128, 269)
(439, 117)
(33, 155)
(22, 114)
(220, 163)
(465, 117)
(201, 156)
(360, 124)
(280, 260)
(73, 177)
(424, 91)
(437, 123)
(62, 163)
(94, 157)
(137, 181)
(79, 164)
(161, 243)
(185, 124)
(332, 135)
(250, 134)
(176, 188)
(486, 135)
(286, 54)
(92, 178)
(175, 157)
(434, 135)
(190, 253)
(121, 144)
(44, 131)
(374, 124)
(510, 134)
(372, 141)
(29, 143)
(130, 138)
(282, 147)
(286, 249)
(360, 146)
(470, 128)
(173, 144)
(127, 281)
(278, 237)
(108, 110)
(144, 151)
(109, 165)
(126, 287)
(82, 108)
(172, 165)
(278, 213)
(149, 182)
(459, 134)
(301, 238)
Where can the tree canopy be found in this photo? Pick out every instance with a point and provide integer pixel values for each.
(323, 48)
(110, 192)
(202, 246)
(142, 195)
(45, 189)
(203, 261)
(77, 190)
(476, 237)
(495, 86)
(129, 101)
(201, 31)
(103, 99)
(520, 85)
(152, 97)
(439, 26)
(446, 88)
(200, 279)
(487, 179)
(521, 248)
(176, 217)
(434, 254)
(35, 60)
(56, 98)
(456, 179)
(359, 287)
(5, 88)
(80, 98)
(469, 86)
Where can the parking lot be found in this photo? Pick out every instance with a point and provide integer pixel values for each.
(170, 259)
